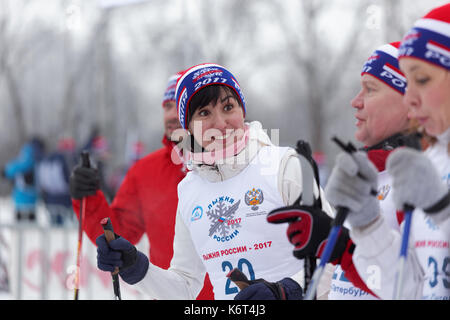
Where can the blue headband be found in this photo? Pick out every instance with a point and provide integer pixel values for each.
(429, 39)
(383, 65)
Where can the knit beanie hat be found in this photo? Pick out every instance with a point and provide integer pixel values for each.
(100, 146)
(383, 65)
(429, 38)
(198, 77)
(169, 94)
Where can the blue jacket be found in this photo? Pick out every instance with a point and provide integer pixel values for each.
(21, 170)
(53, 180)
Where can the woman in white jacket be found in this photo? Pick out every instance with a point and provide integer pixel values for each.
(420, 180)
(237, 175)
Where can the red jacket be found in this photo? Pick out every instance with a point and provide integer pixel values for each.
(145, 203)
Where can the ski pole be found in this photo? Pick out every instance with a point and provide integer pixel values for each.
(399, 279)
(309, 173)
(109, 235)
(329, 247)
(333, 234)
(85, 163)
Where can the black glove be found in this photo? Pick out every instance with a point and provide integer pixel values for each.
(84, 182)
(308, 230)
(133, 264)
(260, 289)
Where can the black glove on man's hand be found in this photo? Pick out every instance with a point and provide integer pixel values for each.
(84, 182)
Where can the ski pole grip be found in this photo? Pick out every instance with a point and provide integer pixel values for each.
(85, 162)
(239, 278)
(341, 215)
(108, 229)
(350, 148)
(109, 235)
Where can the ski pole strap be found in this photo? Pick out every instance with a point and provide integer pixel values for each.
(340, 217)
(441, 204)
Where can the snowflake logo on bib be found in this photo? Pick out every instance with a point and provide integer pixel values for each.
(223, 223)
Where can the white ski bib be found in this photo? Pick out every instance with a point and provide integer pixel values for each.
(433, 251)
(433, 245)
(228, 226)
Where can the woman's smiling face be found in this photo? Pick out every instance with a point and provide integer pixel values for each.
(218, 124)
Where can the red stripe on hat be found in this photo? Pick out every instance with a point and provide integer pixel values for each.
(440, 45)
(394, 68)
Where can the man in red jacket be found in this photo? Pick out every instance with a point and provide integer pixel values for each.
(146, 202)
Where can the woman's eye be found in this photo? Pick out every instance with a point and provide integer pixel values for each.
(203, 113)
(228, 107)
(422, 80)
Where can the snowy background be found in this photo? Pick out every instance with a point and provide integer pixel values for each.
(69, 65)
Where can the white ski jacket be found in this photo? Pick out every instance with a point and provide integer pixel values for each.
(377, 249)
(185, 276)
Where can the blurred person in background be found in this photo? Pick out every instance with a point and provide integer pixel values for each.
(21, 171)
(98, 148)
(53, 173)
(146, 201)
(134, 152)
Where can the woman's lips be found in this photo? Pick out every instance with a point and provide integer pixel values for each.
(225, 136)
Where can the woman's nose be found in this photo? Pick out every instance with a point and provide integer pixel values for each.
(411, 99)
(220, 121)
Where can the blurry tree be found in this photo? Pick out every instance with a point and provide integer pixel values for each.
(318, 63)
(297, 71)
